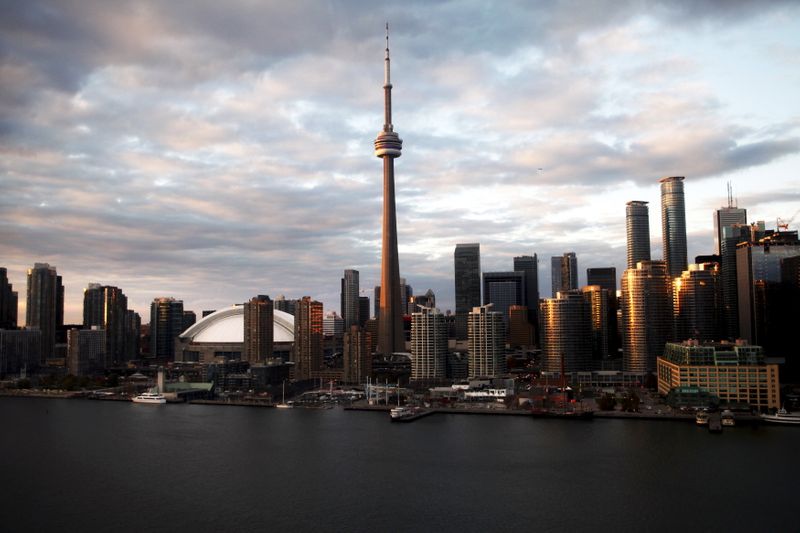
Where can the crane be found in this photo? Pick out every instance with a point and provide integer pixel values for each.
(783, 224)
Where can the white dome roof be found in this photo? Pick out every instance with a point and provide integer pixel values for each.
(227, 325)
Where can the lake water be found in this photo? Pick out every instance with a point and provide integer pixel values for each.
(74, 465)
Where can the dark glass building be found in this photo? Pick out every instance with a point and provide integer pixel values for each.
(467, 262)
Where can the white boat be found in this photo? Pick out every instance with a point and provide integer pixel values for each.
(283, 404)
(149, 397)
(399, 413)
(727, 418)
(782, 417)
(702, 418)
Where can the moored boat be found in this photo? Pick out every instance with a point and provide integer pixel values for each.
(782, 417)
(702, 418)
(727, 418)
(149, 397)
(399, 413)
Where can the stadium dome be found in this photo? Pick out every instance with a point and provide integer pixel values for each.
(227, 326)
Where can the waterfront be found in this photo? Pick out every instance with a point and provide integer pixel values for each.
(118, 466)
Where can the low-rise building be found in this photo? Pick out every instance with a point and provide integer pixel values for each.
(735, 373)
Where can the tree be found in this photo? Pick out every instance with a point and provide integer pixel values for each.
(630, 402)
(606, 402)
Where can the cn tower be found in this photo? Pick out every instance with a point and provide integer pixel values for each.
(387, 146)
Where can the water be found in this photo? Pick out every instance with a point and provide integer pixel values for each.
(110, 466)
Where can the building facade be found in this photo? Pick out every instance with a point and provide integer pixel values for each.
(529, 266)
(503, 289)
(45, 294)
(9, 302)
(564, 272)
(673, 225)
(356, 355)
(307, 351)
(566, 333)
(646, 315)
(86, 351)
(106, 307)
(259, 323)
(733, 373)
(20, 351)
(428, 344)
(637, 230)
(166, 323)
(467, 264)
(697, 304)
(486, 342)
(349, 306)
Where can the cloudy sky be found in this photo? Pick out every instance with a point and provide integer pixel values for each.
(212, 151)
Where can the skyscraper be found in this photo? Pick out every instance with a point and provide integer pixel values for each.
(307, 350)
(731, 236)
(467, 263)
(107, 307)
(727, 217)
(259, 322)
(42, 300)
(166, 323)
(349, 299)
(566, 333)
(86, 350)
(637, 229)
(486, 341)
(529, 265)
(673, 225)
(597, 302)
(428, 344)
(363, 310)
(387, 146)
(697, 304)
(8, 302)
(646, 315)
(606, 278)
(503, 289)
(564, 273)
(356, 358)
(520, 330)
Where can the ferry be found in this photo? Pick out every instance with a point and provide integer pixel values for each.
(702, 418)
(400, 413)
(782, 417)
(149, 397)
(727, 418)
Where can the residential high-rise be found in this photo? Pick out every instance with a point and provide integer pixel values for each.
(86, 350)
(42, 300)
(282, 304)
(564, 272)
(406, 293)
(425, 300)
(106, 307)
(307, 350)
(637, 228)
(597, 300)
(349, 298)
(356, 355)
(566, 333)
(646, 315)
(529, 265)
(486, 341)
(363, 310)
(606, 278)
(388, 144)
(673, 225)
(8, 302)
(259, 323)
(697, 304)
(20, 351)
(166, 323)
(521, 332)
(428, 344)
(467, 263)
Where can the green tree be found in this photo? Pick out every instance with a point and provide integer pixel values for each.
(606, 402)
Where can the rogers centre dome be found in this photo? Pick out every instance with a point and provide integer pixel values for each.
(221, 334)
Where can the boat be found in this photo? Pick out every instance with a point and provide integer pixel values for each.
(149, 397)
(782, 417)
(727, 418)
(283, 404)
(715, 424)
(400, 413)
(702, 418)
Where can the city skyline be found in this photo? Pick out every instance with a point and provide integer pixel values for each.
(166, 152)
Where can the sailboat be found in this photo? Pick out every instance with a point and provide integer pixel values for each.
(283, 404)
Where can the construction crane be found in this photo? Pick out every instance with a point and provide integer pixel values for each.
(783, 224)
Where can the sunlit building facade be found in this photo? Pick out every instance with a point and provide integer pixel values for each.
(637, 229)
(307, 351)
(566, 333)
(697, 304)
(673, 225)
(646, 315)
(259, 318)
